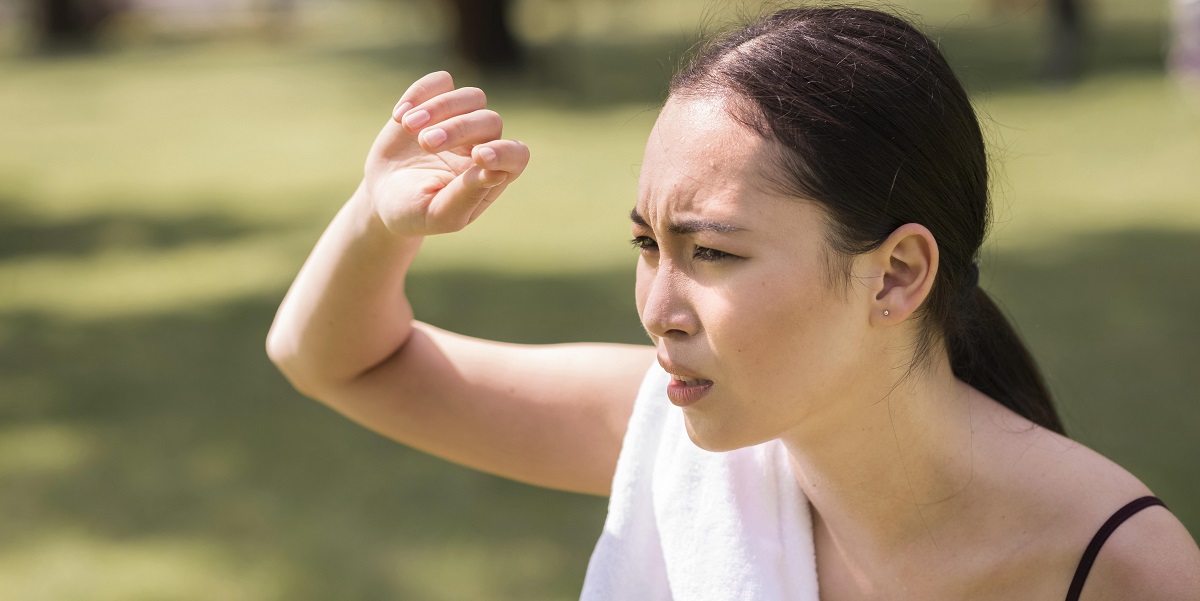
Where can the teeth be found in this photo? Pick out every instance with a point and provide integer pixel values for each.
(687, 381)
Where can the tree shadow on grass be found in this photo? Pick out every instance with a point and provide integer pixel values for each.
(1111, 319)
(26, 234)
(1008, 57)
(187, 431)
(994, 57)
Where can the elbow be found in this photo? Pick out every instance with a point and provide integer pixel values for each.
(305, 372)
(287, 359)
(278, 351)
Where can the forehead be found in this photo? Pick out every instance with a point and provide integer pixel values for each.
(699, 160)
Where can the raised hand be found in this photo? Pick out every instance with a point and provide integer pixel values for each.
(439, 162)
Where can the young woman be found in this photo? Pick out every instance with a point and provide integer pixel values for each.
(812, 200)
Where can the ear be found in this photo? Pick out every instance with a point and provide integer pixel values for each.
(906, 265)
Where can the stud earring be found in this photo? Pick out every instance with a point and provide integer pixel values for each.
(885, 312)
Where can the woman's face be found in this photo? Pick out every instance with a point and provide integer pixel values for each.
(733, 289)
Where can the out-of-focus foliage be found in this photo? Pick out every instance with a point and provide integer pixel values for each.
(158, 194)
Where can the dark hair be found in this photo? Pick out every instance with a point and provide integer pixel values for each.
(873, 126)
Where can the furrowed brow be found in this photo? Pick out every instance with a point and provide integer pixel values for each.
(692, 226)
(689, 226)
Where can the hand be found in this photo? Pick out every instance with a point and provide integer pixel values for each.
(439, 162)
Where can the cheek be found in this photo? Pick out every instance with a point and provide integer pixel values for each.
(792, 340)
(641, 288)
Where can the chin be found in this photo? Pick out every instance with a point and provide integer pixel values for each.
(714, 438)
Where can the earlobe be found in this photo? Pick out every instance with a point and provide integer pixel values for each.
(908, 262)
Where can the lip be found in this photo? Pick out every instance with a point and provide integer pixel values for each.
(683, 395)
(680, 393)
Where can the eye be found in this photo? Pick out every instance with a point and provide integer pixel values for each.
(644, 243)
(710, 254)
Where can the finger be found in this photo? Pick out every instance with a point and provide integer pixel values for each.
(457, 204)
(502, 155)
(444, 106)
(472, 128)
(492, 194)
(393, 135)
(421, 90)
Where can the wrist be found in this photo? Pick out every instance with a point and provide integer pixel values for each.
(371, 226)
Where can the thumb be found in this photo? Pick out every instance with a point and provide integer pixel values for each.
(462, 200)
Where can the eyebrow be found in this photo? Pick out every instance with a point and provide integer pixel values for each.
(689, 226)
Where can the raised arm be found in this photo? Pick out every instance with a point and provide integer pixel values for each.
(345, 335)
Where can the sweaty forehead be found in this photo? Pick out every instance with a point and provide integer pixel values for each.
(698, 159)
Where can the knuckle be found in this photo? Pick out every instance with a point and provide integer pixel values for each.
(491, 119)
(520, 151)
(475, 95)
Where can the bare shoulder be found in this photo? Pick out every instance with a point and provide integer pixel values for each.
(1150, 557)
(1065, 492)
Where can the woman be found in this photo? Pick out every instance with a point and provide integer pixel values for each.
(811, 203)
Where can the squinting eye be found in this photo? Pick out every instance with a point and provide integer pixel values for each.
(710, 254)
(644, 243)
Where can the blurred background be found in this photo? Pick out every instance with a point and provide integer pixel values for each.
(165, 166)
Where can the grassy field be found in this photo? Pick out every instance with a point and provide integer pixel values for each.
(156, 199)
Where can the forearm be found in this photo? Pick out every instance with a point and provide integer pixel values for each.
(346, 311)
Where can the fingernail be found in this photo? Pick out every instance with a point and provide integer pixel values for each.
(434, 137)
(487, 154)
(416, 119)
(400, 109)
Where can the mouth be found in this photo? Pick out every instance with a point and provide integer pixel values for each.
(686, 387)
(686, 381)
(687, 392)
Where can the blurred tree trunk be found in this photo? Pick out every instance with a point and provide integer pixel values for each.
(279, 19)
(1184, 59)
(1064, 61)
(483, 36)
(70, 24)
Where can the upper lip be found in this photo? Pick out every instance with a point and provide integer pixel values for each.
(678, 370)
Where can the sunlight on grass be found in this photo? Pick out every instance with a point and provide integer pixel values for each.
(1115, 152)
(42, 449)
(477, 571)
(75, 566)
(120, 283)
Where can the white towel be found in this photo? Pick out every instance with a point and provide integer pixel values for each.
(686, 524)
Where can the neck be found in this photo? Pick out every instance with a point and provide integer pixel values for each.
(885, 471)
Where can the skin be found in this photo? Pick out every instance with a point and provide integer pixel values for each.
(920, 486)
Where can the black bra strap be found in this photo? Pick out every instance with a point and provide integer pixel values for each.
(1093, 548)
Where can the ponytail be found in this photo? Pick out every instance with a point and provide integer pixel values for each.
(986, 352)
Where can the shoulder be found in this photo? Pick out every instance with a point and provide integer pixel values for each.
(1065, 493)
(1149, 557)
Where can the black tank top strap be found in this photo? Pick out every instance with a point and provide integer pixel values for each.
(1093, 548)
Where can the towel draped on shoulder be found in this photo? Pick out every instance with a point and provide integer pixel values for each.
(685, 524)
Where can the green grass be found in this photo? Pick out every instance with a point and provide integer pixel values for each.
(157, 198)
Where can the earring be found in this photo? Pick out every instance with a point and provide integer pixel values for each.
(885, 312)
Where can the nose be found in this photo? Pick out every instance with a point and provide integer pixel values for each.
(666, 309)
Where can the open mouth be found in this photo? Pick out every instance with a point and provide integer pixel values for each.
(684, 391)
(690, 381)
